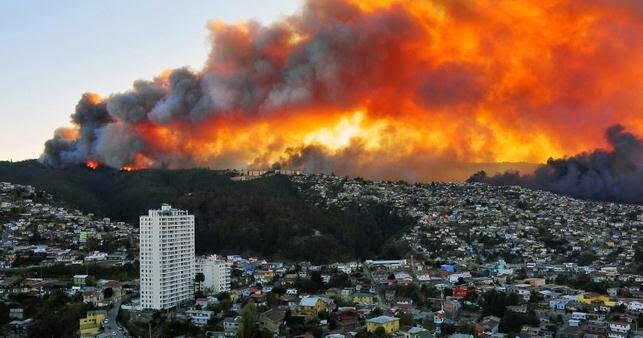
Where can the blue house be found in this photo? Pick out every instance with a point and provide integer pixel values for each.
(558, 304)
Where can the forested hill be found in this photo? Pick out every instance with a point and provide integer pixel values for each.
(112, 193)
(266, 216)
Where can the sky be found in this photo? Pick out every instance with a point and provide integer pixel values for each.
(53, 51)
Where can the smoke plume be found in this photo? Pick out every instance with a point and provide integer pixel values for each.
(608, 175)
(381, 89)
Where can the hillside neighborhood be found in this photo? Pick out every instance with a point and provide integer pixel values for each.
(482, 261)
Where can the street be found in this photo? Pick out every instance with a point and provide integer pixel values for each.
(378, 290)
(112, 328)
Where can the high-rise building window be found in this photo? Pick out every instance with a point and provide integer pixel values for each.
(158, 250)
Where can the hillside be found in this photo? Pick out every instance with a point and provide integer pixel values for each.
(113, 193)
(267, 216)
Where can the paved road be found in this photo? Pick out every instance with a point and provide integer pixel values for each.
(112, 328)
(378, 288)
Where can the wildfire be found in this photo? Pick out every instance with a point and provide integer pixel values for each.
(93, 165)
(383, 89)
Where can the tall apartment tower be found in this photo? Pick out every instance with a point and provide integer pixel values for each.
(216, 273)
(166, 258)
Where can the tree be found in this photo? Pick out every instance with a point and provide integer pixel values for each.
(406, 319)
(376, 312)
(339, 280)
(247, 327)
(428, 324)
(92, 244)
(108, 293)
(317, 280)
(362, 333)
(90, 281)
(494, 302)
(512, 322)
(536, 297)
(57, 316)
(4, 314)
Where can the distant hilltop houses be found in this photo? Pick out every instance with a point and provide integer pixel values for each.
(250, 174)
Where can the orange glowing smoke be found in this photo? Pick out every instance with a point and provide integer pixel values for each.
(391, 89)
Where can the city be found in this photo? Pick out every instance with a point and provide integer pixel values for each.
(496, 276)
(321, 169)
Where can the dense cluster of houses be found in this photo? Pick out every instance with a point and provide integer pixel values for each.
(468, 223)
(377, 297)
(37, 231)
(567, 266)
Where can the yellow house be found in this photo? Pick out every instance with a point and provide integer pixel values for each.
(90, 325)
(311, 306)
(596, 298)
(364, 298)
(390, 324)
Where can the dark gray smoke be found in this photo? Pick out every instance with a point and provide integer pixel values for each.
(251, 72)
(615, 175)
(90, 116)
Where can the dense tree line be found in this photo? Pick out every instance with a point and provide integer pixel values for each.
(266, 216)
(495, 302)
(109, 192)
(126, 272)
(55, 315)
(581, 282)
(270, 217)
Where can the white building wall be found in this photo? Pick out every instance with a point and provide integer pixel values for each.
(166, 258)
(216, 273)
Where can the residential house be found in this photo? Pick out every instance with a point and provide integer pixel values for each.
(364, 298)
(347, 318)
(91, 324)
(389, 324)
(199, 317)
(117, 288)
(593, 298)
(80, 280)
(311, 306)
(570, 332)
(596, 329)
(558, 304)
(517, 308)
(487, 326)
(93, 297)
(416, 332)
(231, 325)
(619, 329)
(21, 327)
(272, 320)
(17, 313)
